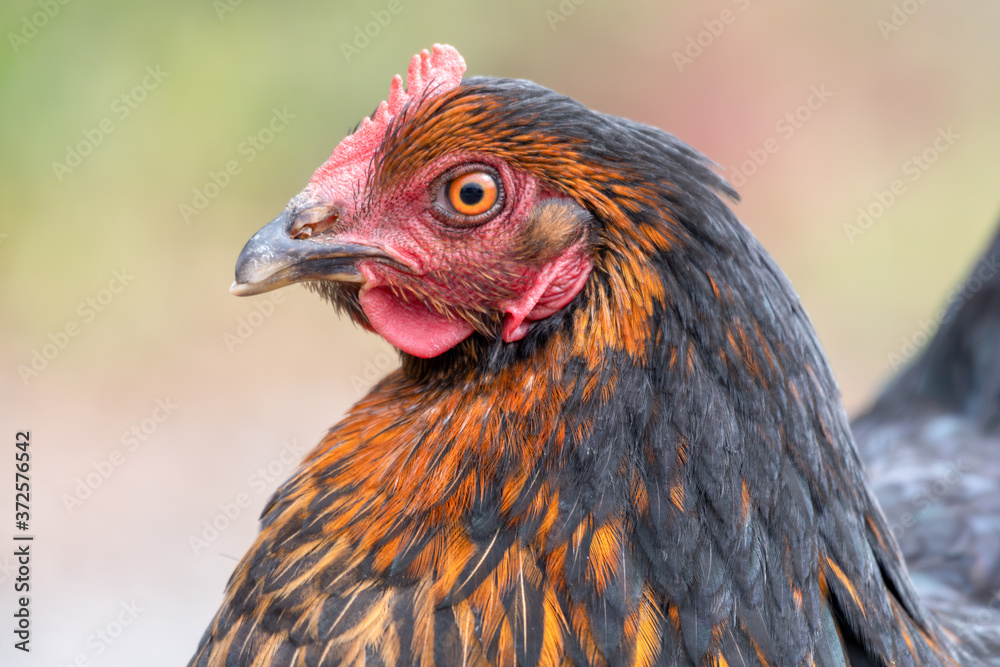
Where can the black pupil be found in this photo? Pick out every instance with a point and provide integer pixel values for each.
(471, 194)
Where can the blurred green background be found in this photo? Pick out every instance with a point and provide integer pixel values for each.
(160, 405)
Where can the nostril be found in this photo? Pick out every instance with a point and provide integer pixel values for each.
(313, 221)
(303, 231)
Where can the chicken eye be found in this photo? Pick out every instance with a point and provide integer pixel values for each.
(468, 196)
(472, 193)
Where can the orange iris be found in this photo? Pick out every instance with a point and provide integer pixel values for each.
(472, 193)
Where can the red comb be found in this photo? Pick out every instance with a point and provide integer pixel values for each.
(429, 74)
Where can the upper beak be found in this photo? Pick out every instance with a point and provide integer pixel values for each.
(273, 259)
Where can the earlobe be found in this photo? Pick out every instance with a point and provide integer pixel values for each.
(554, 288)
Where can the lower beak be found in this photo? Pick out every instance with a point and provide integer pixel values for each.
(273, 259)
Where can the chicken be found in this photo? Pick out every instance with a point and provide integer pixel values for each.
(613, 439)
(930, 444)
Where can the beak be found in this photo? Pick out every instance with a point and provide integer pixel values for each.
(273, 259)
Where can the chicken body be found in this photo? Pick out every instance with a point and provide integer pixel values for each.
(613, 440)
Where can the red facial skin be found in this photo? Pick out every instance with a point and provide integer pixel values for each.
(451, 270)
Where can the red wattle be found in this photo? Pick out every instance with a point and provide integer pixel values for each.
(410, 325)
